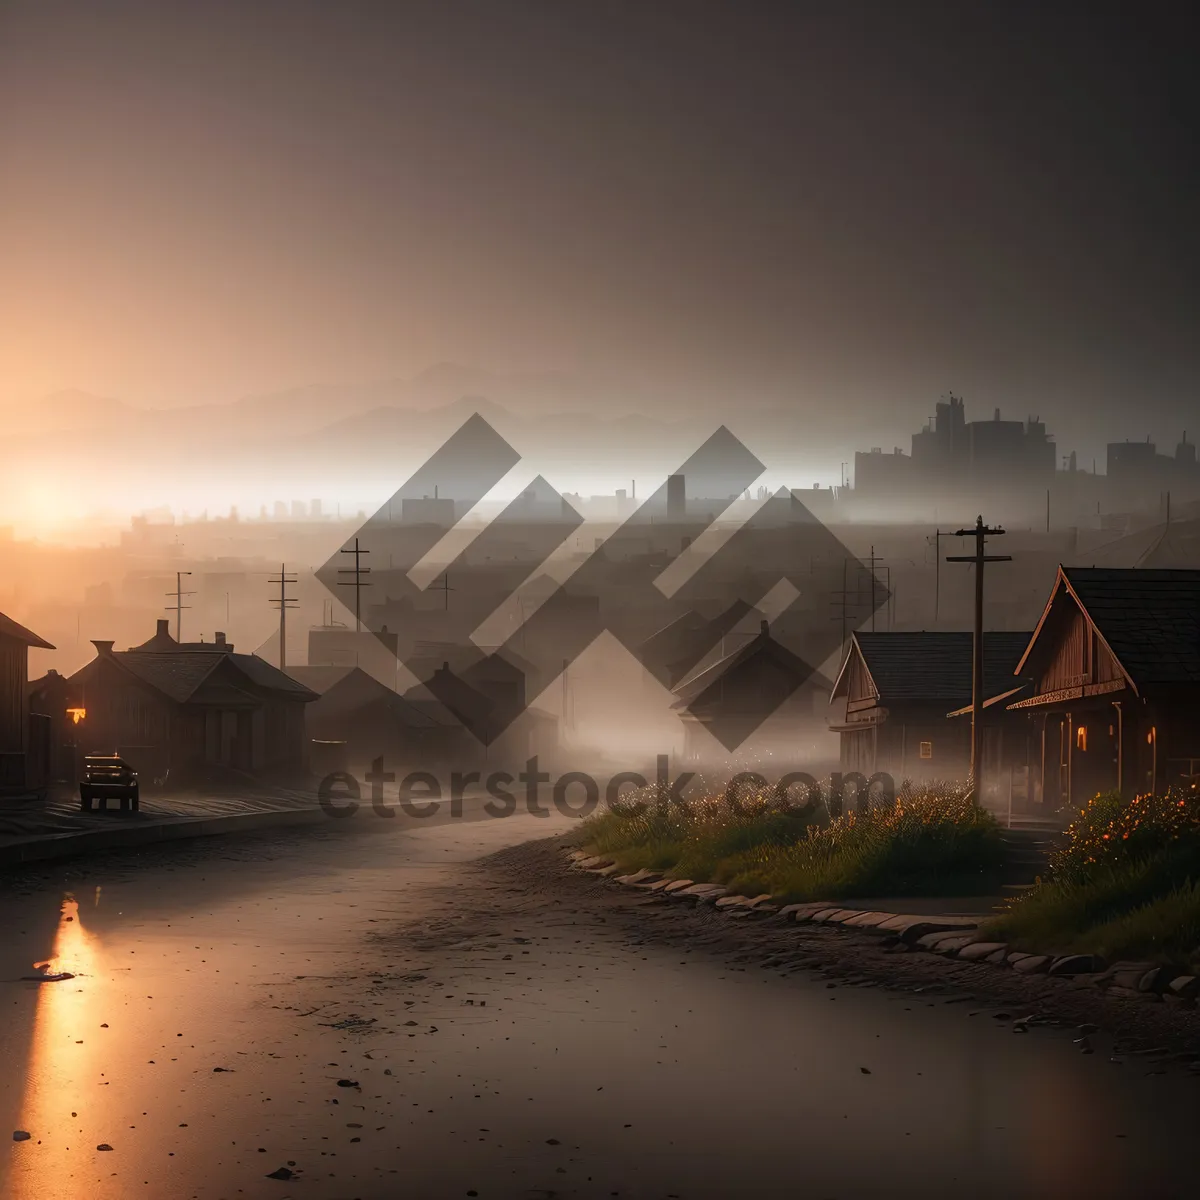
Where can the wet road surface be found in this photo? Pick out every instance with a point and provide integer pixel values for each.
(369, 1011)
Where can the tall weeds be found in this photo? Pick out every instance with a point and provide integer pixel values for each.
(934, 840)
(1125, 885)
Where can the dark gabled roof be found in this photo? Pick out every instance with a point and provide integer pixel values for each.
(272, 679)
(223, 694)
(434, 711)
(677, 649)
(18, 633)
(319, 677)
(696, 685)
(180, 675)
(506, 661)
(177, 675)
(455, 695)
(934, 666)
(1148, 618)
(1169, 545)
(357, 690)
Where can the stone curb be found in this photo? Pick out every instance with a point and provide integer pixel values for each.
(946, 935)
(47, 847)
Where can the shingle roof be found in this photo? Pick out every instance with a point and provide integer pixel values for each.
(1173, 545)
(1150, 618)
(356, 690)
(176, 675)
(936, 666)
(180, 673)
(319, 677)
(466, 704)
(692, 688)
(262, 673)
(689, 637)
(10, 629)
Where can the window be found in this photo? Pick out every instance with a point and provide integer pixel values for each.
(1081, 737)
(926, 749)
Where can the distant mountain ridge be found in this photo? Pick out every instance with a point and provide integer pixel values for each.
(310, 406)
(573, 430)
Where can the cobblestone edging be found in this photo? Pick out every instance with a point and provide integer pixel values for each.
(948, 936)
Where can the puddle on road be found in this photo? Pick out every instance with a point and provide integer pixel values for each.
(530, 1054)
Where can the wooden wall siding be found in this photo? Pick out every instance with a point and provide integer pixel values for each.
(858, 751)
(1077, 656)
(13, 719)
(859, 685)
(121, 712)
(1069, 661)
(1104, 667)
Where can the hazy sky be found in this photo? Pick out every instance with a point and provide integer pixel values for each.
(858, 204)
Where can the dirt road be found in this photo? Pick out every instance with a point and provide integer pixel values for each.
(440, 1011)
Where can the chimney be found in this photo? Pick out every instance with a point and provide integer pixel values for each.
(103, 649)
(219, 640)
(164, 628)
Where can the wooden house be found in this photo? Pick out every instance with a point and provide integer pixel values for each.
(23, 765)
(371, 720)
(761, 694)
(52, 722)
(486, 690)
(1115, 661)
(673, 652)
(901, 690)
(191, 711)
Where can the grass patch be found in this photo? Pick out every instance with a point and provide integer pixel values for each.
(933, 841)
(1125, 886)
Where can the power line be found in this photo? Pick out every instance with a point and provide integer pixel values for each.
(284, 601)
(358, 571)
(179, 605)
(855, 597)
(938, 534)
(980, 533)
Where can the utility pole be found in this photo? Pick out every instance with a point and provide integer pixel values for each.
(285, 580)
(842, 598)
(873, 563)
(179, 605)
(445, 589)
(358, 571)
(937, 572)
(979, 533)
(843, 595)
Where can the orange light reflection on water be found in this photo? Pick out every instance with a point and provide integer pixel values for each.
(61, 1066)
